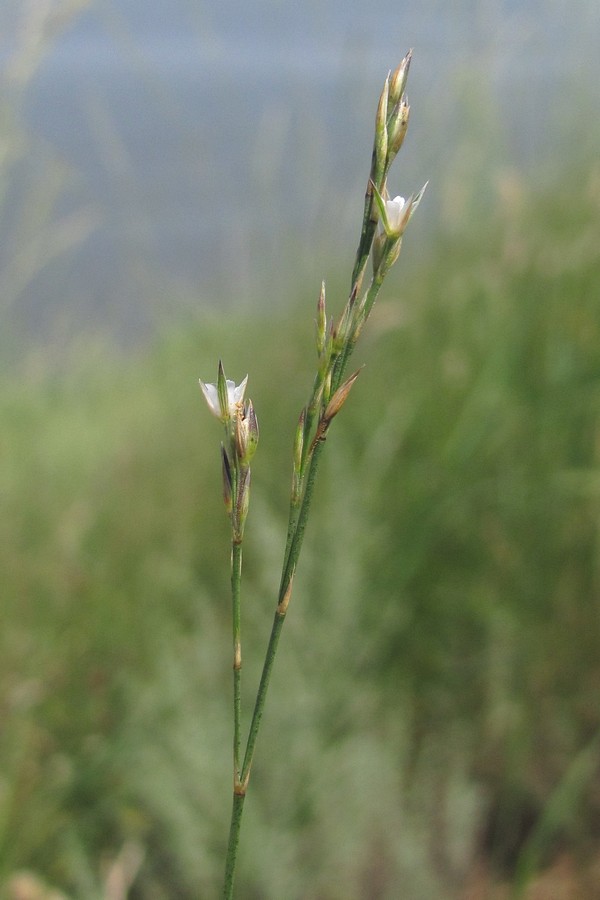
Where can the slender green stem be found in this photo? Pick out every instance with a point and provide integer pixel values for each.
(284, 593)
(232, 847)
(238, 793)
(298, 517)
(262, 694)
(236, 575)
(298, 536)
(295, 507)
(242, 778)
(368, 227)
(310, 411)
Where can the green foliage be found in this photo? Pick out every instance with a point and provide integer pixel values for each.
(436, 689)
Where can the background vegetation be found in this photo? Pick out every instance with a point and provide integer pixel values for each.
(435, 706)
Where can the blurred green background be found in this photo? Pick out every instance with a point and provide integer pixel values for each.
(433, 727)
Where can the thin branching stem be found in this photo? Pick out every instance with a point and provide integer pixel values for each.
(328, 395)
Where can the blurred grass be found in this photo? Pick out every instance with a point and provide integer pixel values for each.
(435, 707)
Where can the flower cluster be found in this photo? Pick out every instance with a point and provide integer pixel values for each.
(391, 125)
(225, 400)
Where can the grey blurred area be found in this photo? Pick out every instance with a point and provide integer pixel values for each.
(162, 158)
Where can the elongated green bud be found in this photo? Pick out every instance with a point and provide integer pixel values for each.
(397, 128)
(223, 393)
(340, 333)
(398, 80)
(332, 409)
(378, 248)
(253, 432)
(326, 389)
(297, 457)
(321, 322)
(299, 441)
(242, 504)
(386, 251)
(381, 136)
(226, 469)
(246, 433)
(325, 360)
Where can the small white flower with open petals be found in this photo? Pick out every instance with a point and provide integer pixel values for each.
(235, 396)
(395, 214)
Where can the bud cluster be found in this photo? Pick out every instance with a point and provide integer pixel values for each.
(391, 124)
(384, 221)
(327, 396)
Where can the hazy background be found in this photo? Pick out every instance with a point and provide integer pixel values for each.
(183, 154)
(175, 181)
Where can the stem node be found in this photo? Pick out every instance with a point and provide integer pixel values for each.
(283, 603)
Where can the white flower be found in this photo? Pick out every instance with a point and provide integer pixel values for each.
(235, 395)
(395, 214)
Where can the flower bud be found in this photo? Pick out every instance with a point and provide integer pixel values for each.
(253, 432)
(388, 255)
(246, 433)
(223, 393)
(297, 457)
(344, 326)
(397, 129)
(326, 388)
(321, 322)
(299, 441)
(381, 137)
(226, 469)
(339, 398)
(242, 504)
(378, 245)
(398, 80)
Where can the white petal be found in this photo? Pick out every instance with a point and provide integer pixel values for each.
(211, 396)
(394, 209)
(236, 394)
